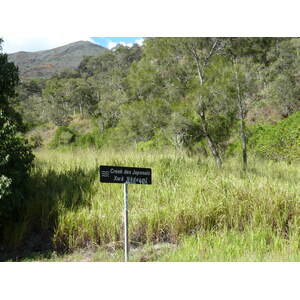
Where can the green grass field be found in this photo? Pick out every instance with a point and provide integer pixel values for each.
(193, 211)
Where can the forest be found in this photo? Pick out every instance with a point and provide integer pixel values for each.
(208, 95)
(224, 109)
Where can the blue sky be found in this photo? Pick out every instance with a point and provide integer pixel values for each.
(15, 44)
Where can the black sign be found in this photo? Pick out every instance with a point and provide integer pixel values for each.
(114, 174)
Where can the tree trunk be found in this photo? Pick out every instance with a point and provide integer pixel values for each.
(242, 121)
(80, 108)
(244, 142)
(210, 141)
(102, 124)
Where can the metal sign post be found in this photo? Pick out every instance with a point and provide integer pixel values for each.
(126, 249)
(125, 175)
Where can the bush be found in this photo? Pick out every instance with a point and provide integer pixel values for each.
(15, 163)
(280, 141)
(35, 140)
(64, 136)
(145, 146)
(86, 140)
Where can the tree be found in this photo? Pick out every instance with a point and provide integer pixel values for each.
(9, 79)
(283, 87)
(57, 103)
(193, 57)
(81, 95)
(237, 49)
(15, 154)
(245, 55)
(29, 102)
(201, 51)
(159, 74)
(15, 162)
(109, 79)
(140, 120)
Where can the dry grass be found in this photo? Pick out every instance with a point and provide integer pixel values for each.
(188, 196)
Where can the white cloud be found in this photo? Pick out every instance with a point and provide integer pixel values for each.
(140, 42)
(112, 44)
(126, 44)
(15, 44)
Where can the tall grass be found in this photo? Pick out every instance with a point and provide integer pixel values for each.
(252, 244)
(190, 197)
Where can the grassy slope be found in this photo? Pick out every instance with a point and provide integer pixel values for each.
(206, 213)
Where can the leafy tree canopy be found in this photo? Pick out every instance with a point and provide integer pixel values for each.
(15, 154)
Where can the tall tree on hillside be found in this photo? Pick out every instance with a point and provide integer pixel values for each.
(245, 55)
(81, 95)
(236, 51)
(283, 87)
(159, 74)
(196, 55)
(109, 77)
(201, 51)
(57, 103)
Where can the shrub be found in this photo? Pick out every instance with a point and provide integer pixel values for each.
(15, 163)
(145, 146)
(35, 140)
(280, 141)
(85, 140)
(63, 136)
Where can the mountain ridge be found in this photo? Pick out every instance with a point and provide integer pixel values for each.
(45, 63)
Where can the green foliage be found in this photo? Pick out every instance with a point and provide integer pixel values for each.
(57, 103)
(64, 136)
(280, 141)
(15, 163)
(86, 140)
(282, 76)
(140, 120)
(35, 140)
(9, 79)
(145, 146)
(5, 189)
(15, 154)
(172, 91)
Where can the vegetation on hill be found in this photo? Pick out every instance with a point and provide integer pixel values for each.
(46, 63)
(192, 93)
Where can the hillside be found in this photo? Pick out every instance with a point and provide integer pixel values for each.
(48, 62)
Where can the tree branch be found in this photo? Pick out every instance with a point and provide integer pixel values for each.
(212, 51)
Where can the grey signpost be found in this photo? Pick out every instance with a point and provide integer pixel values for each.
(126, 248)
(125, 175)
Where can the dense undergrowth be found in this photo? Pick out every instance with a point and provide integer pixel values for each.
(280, 141)
(67, 208)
